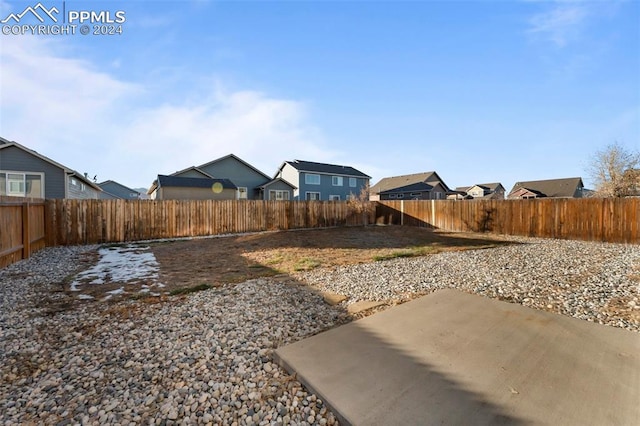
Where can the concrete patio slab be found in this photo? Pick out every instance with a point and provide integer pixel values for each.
(452, 358)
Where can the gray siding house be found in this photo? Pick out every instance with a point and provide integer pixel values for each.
(319, 181)
(249, 182)
(26, 173)
(112, 190)
(417, 186)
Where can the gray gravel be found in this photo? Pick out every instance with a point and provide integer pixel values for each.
(200, 359)
(596, 282)
(206, 358)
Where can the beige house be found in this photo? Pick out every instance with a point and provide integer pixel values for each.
(550, 188)
(191, 188)
(486, 191)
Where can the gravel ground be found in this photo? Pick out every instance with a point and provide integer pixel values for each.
(596, 282)
(206, 358)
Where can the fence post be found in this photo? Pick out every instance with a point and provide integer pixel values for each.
(433, 213)
(401, 212)
(26, 237)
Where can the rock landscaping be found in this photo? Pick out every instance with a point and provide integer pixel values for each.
(205, 357)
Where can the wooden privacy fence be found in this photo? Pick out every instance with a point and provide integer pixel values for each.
(100, 221)
(22, 229)
(591, 219)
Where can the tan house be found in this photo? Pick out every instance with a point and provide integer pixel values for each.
(550, 188)
(485, 191)
(192, 188)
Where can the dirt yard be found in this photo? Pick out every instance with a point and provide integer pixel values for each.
(215, 261)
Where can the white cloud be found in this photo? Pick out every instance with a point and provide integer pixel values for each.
(91, 121)
(562, 23)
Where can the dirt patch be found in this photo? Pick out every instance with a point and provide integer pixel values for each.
(217, 261)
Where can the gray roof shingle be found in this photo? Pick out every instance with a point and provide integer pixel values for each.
(309, 166)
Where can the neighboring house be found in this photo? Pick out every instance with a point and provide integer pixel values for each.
(551, 188)
(192, 188)
(112, 190)
(487, 191)
(417, 186)
(320, 181)
(250, 183)
(26, 173)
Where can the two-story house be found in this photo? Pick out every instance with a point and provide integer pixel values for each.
(320, 181)
(236, 180)
(26, 173)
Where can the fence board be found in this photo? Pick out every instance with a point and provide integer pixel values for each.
(22, 228)
(591, 219)
(101, 221)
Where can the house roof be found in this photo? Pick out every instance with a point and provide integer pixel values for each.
(194, 168)
(557, 188)
(188, 182)
(272, 181)
(490, 186)
(4, 144)
(414, 187)
(389, 183)
(235, 157)
(330, 169)
(106, 182)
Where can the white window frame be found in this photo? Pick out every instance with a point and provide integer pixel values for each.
(242, 190)
(334, 198)
(337, 181)
(415, 194)
(23, 192)
(279, 195)
(306, 196)
(309, 181)
(353, 182)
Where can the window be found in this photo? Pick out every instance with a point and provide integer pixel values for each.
(336, 180)
(312, 196)
(74, 182)
(17, 184)
(415, 194)
(334, 198)
(392, 195)
(438, 195)
(83, 187)
(353, 182)
(242, 193)
(312, 179)
(400, 195)
(279, 195)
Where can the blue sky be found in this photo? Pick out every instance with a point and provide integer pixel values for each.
(479, 91)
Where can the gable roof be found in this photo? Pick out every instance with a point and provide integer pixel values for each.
(392, 182)
(189, 182)
(487, 186)
(272, 181)
(418, 186)
(4, 144)
(558, 188)
(195, 169)
(235, 157)
(329, 169)
(113, 182)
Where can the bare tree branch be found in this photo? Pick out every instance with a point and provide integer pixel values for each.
(615, 171)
